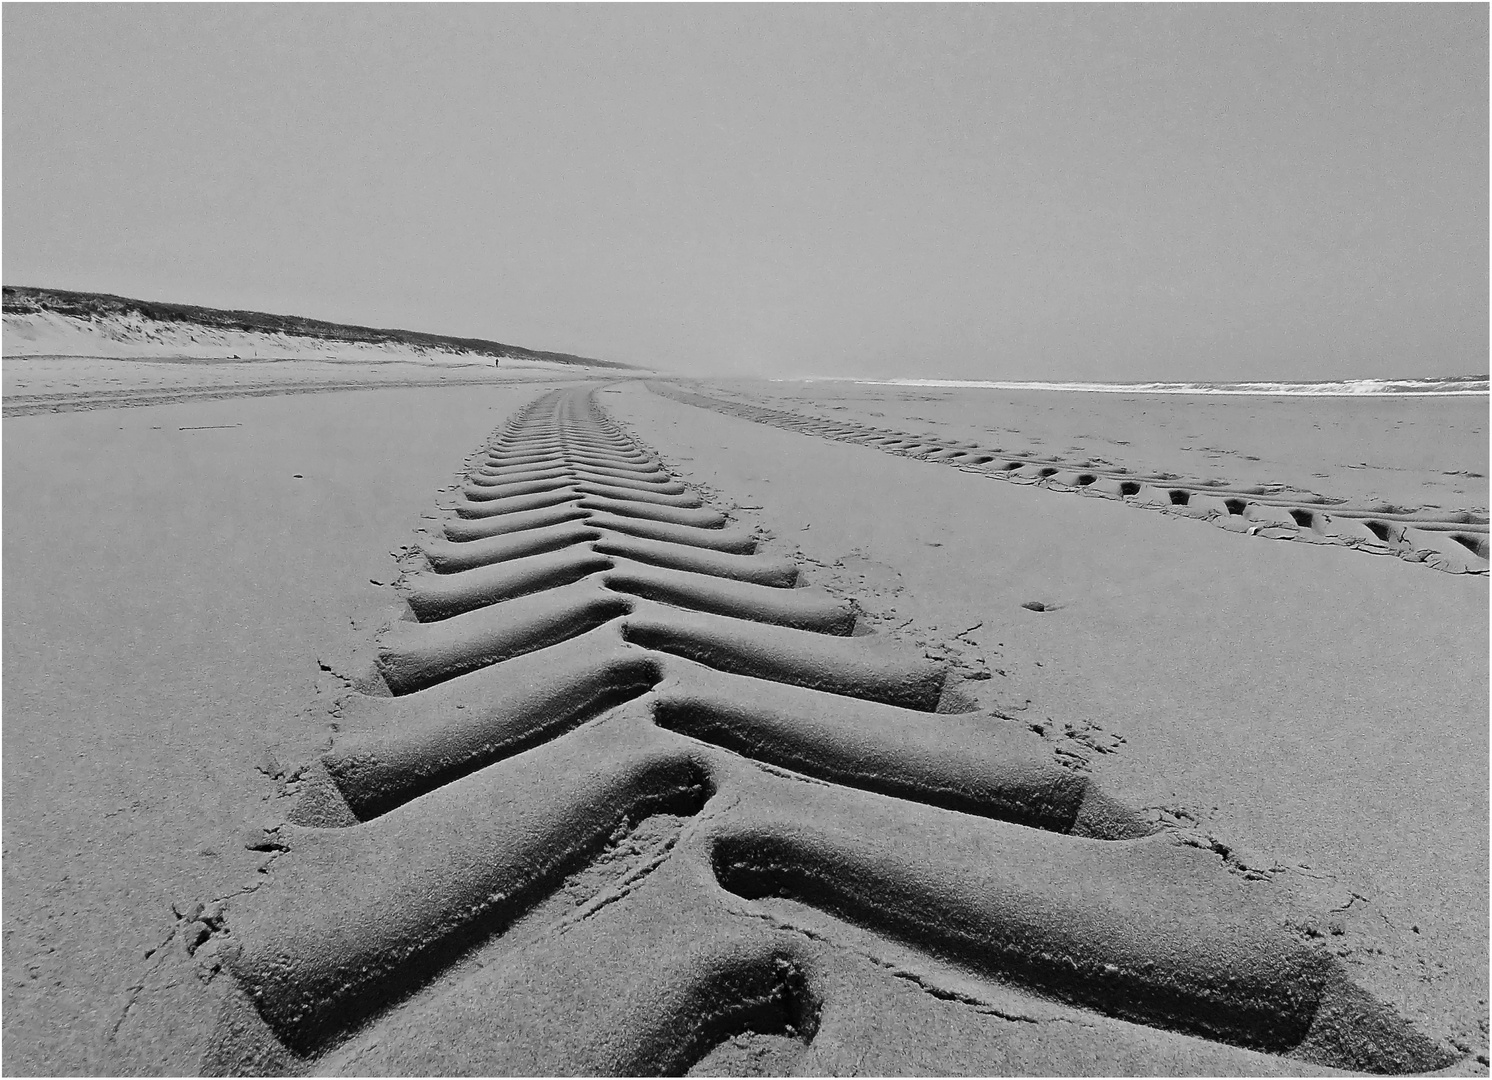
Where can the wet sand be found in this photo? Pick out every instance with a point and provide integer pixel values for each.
(184, 612)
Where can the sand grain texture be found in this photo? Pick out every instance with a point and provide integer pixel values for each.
(170, 595)
(676, 742)
(1395, 512)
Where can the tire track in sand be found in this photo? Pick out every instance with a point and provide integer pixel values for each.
(1453, 541)
(618, 798)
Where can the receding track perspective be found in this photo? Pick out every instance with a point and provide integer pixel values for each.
(1453, 541)
(619, 795)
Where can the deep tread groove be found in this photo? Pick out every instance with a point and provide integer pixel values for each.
(568, 679)
(1282, 514)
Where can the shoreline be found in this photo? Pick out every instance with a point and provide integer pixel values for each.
(1401, 450)
(1357, 388)
(1237, 688)
(1317, 715)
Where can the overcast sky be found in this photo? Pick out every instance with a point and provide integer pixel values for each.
(1125, 192)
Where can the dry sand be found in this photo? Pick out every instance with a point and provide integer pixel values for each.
(133, 336)
(58, 363)
(1417, 451)
(39, 384)
(1303, 727)
(1322, 711)
(170, 583)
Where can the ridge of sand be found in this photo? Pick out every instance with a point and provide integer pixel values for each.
(118, 322)
(58, 363)
(47, 333)
(1322, 717)
(1408, 450)
(1452, 540)
(677, 905)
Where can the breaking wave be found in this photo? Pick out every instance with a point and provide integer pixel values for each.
(1453, 386)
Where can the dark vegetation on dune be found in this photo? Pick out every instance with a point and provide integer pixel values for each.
(24, 300)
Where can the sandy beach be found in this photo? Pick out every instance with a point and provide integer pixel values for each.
(745, 540)
(576, 723)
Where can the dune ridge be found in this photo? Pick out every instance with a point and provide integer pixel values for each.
(61, 322)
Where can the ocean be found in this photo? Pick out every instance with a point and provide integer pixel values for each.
(1452, 386)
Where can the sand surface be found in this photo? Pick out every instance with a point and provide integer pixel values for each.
(58, 363)
(192, 586)
(170, 584)
(1322, 711)
(50, 334)
(41, 384)
(1416, 451)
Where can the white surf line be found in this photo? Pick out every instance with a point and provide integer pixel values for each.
(1356, 388)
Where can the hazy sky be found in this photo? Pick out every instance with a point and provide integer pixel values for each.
(1119, 192)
